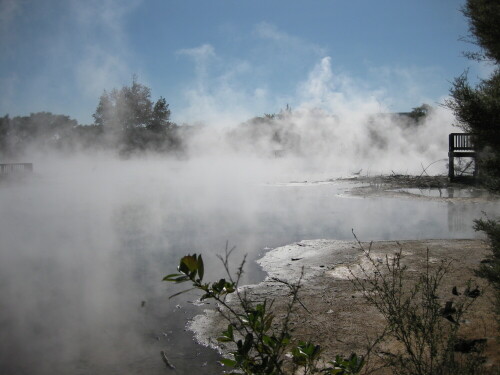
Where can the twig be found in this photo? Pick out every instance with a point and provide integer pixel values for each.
(465, 168)
(425, 169)
(165, 359)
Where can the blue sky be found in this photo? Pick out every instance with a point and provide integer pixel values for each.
(227, 60)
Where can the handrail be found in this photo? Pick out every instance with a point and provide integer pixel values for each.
(461, 142)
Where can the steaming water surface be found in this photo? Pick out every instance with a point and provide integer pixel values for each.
(84, 245)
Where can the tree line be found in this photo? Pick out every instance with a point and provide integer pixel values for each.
(126, 120)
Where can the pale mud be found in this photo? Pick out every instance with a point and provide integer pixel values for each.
(336, 316)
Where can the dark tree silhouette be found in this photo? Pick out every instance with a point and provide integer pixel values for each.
(477, 109)
(43, 130)
(160, 116)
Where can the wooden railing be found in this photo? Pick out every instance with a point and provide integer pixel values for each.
(6, 168)
(460, 145)
(461, 141)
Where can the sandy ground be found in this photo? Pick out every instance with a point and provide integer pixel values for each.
(337, 317)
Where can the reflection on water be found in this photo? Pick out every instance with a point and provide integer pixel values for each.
(458, 219)
(81, 257)
(450, 192)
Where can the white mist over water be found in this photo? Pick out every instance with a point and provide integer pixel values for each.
(88, 238)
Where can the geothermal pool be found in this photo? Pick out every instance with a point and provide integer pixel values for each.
(84, 245)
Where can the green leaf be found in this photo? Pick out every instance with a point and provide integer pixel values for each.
(205, 296)
(230, 331)
(183, 268)
(171, 276)
(228, 362)
(269, 341)
(268, 322)
(248, 343)
(191, 262)
(180, 279)
(223, 339)
(229, 288)
(201, 268)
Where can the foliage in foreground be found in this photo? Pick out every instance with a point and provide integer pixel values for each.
(426, 330)
(259, 348)
(490, 267)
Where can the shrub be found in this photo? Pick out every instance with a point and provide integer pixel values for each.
(258, 347)
(490, 267)
(423, 331)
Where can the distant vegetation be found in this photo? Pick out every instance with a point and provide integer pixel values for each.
(125, 120)
(129, 122)
(281, 134)
(46, 130)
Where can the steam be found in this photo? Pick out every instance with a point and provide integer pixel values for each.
(90, 236)
(337, 127)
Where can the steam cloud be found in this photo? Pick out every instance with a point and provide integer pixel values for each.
(336, 128)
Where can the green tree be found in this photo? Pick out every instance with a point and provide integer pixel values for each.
(160, 116)
(131, 107)
(484, 28)
(135, 105)
(104, 112)
(127, 108)
(43, 130)
(420, 112)
(4, 132)
(130, 119)
(477, 109)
